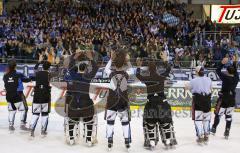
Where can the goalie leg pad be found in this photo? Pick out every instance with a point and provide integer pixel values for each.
(168, 134)
(90, 129)
(71, 127)
(151, 133)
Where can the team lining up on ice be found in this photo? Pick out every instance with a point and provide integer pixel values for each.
(157, 118)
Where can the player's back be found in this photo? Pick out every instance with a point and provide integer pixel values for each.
(201, 85)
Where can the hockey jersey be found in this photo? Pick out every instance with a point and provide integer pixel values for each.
(118, 91)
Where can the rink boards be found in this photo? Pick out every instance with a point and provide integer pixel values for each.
(178, 97)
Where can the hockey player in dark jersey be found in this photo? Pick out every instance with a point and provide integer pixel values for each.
(117, 100)
(226, 101)
(78, 105)
(157, 111)
(13, 82)
(42, 96)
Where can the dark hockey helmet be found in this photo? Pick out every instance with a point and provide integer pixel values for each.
(46, 65)
(152, 67)
(120, 59)
(12, 64)
(82, 66)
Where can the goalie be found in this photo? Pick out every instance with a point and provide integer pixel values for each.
(78, 105)
(157, 113)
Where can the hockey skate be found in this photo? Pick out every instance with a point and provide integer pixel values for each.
(32, 135)
(89, 143)
(146, 143)
(213, 131)
(71, 142)
(226, 133)
(110, 144)
(152, 145)
(200, 140)
(173, 142)
(43, 133)
(206, 139)
(23, 127)
(11, 129)
(127, 143)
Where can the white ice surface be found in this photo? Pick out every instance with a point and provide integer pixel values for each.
(19, 142)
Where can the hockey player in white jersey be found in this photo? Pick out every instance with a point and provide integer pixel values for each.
(117, 101)
(201, 87)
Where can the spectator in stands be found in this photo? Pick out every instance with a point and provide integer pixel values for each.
(32, 28)
(186, 59)
(217, 54)
(201, 61)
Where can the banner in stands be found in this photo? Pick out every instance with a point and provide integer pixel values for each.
(227, 14)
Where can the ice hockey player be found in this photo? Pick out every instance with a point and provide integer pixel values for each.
(117, 100)
(13, 82)
(42, 96)
(201, 87)
(226, 101)
(79, 106)
(157, 112)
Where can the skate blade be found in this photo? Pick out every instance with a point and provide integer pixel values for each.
(109, 149)
(128, 148)
(11, 132)
(205, 143)
(152, 148)
(166, 147)
(172, 147)
(43, 136)
(23, 132)
(30, 138)
(213, 134)
(90, 145)
(200, 143)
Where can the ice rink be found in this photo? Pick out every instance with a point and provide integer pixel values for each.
(19, 142)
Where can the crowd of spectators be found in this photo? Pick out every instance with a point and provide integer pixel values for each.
(58, 28)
